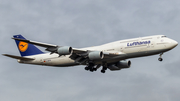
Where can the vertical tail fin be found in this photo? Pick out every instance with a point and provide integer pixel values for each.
(26, 49)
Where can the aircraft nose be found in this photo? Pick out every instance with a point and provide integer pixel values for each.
(175, 43)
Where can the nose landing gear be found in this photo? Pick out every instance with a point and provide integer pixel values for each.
(160, 58)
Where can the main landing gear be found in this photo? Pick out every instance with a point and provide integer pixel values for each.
(160, 58)
(104, 69)
(91, 67)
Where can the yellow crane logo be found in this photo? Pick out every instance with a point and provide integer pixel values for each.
(23, 46)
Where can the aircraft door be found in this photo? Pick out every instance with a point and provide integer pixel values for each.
(152, 44)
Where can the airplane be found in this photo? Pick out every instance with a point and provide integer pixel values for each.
(112, 56)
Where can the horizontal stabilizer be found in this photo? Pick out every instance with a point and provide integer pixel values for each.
(18, 57)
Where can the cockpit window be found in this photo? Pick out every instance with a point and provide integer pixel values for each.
(163, 36)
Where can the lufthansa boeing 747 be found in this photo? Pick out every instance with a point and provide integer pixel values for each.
(111, 56)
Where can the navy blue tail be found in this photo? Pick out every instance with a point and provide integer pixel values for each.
(26, 49)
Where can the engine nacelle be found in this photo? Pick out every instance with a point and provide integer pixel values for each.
(66, 50)
(97, 55)
(120, 65)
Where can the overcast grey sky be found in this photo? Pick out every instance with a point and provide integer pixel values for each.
(81, 23)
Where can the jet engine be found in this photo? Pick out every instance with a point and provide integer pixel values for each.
(66, 50)
(97, 55)
(120, 65)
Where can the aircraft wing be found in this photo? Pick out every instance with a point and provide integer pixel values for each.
(81, 56)
(106, 54)
(49, 47)
(18, 57)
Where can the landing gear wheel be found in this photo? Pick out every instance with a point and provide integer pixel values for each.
(86, 68)
(104, 68)
(103, 71)
(95, 69)
(160, 59)
(91, 70)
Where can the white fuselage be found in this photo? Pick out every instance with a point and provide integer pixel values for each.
(130, 48)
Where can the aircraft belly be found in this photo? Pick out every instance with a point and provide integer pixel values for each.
(64, 62)
(146, 53)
